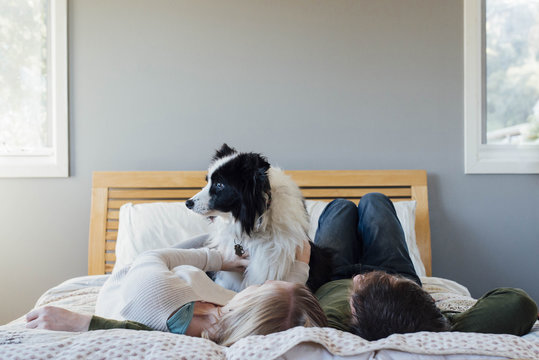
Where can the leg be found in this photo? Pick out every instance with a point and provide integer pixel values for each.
(382, 239)
(500, 311)
(337, 230)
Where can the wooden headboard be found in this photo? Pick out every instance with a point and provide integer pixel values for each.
(110, 190)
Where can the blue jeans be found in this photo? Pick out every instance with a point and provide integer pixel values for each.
(365, 238)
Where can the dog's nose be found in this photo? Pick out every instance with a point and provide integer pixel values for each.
(190, 203)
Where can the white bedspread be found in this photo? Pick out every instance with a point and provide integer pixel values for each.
(79, 294)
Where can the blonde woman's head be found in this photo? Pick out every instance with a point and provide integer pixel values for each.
(265, 309)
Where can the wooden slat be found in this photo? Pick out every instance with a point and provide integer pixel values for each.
(111, 235)
(113, 214)
(358, 177)
(156, 179)
(116, 204)
(108, 268)
(152, 193)
(112, 225)
(110, 245)
(110, 257)
(354, 192)
(149, 179)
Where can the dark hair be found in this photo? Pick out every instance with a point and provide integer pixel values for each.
(384, 304)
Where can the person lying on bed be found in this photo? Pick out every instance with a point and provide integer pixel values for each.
(375, 290)
(168, 290)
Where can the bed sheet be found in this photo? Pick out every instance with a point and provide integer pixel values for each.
(80, 294)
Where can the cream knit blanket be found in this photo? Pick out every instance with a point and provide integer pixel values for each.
(80, 294)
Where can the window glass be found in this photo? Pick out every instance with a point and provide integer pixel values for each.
(512, 71)
(24, 123)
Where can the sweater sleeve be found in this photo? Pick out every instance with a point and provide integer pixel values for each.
(153, 290)
(100, 323)
(203, 258)
(299, 273)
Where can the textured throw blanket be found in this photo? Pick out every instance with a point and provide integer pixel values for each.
(17, 342)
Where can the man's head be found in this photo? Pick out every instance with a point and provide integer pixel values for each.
(383, 304)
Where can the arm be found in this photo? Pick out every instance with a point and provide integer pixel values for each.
(155, 286)
(59, 319)
(299, 273)
(153, 289)
(203, 258)
(99, 323)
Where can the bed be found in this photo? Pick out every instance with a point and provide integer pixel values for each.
(121, 202)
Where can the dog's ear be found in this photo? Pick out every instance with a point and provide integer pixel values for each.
(256, 190)
(225, 150)
(260, 175)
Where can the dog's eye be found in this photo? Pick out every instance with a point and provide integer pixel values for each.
(219, 186)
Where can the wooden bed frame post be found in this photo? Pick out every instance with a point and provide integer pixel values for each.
(422, 225)
(98, 221)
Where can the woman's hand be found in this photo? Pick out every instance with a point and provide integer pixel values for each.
(59, 319)
(236, 264)
(304, 254)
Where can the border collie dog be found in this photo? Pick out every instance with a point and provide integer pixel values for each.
(261, 211)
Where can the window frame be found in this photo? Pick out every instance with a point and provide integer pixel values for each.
(53, 163)
(483, 158)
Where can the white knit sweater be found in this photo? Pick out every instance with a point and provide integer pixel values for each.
(159, 282)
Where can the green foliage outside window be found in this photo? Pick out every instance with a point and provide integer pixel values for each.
(23, 75)
(512, 70)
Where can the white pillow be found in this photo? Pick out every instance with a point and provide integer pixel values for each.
(406, 215)
(315, 209)
(158, 225)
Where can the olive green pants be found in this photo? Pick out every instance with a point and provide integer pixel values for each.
(500, 311)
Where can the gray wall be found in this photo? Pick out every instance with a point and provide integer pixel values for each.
(334, 84)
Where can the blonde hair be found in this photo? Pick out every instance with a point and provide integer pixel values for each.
(266, 311)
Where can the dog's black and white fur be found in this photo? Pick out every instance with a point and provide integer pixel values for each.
(262, 209)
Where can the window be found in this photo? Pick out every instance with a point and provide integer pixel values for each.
(501, 86)
(33, 88)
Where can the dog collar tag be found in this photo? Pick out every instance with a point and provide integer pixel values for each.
(238, 249)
